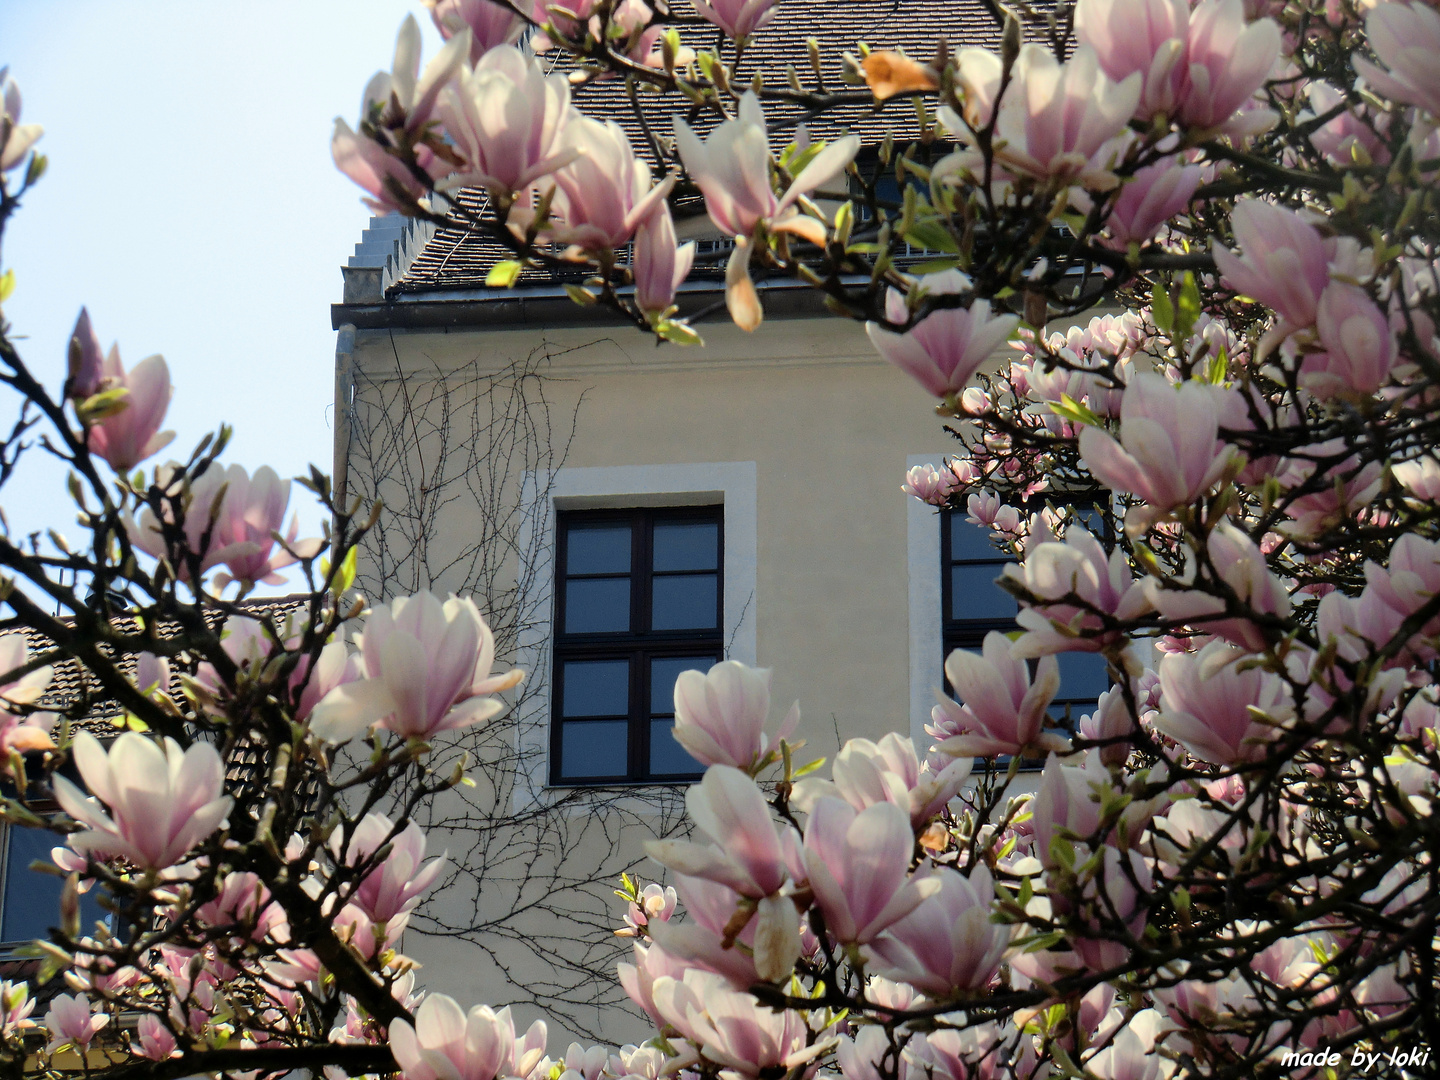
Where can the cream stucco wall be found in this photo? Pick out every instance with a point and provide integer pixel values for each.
(828, 426)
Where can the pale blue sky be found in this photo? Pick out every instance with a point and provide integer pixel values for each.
(192, 205)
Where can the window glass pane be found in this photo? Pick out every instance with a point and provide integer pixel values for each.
(683, 602)
(687, 545)
(1082, 676)
(668, 757)
(32, 901)
(593, 748)
(969, 541)
(596, 688)
(1092, 520)
(664, 671)
(597, 549)
(974, 594)
(597, 605)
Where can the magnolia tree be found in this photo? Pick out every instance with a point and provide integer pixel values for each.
(1228, 492)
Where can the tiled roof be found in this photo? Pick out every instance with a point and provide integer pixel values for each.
(456, 259)
(71, 685)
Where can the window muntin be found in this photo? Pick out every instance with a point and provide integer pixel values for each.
(638, 600)
(973, 605)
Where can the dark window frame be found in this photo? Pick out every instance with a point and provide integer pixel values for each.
(639, 647)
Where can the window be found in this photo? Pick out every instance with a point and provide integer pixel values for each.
(638, 600)
(30, 900)
(973, 605)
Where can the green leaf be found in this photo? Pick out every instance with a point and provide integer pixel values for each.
(1161, 310)
(678, 332)
(794, 160)
(1217, 368)
(931, 236)
(934, 266)
(345, 576)
(807, 768)
(580, 295)
(1067, 408)
(1189, 309)
(503, 274)
(7, 285)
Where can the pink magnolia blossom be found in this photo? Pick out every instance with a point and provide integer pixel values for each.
(732, 170)
(86, 359)
(738, 18)
(604, 193)
(1055, 120)
(1130, 1053)
(491, 24)
(16, 1005)
(1001, 710)
(942, 351)
(1068, 800)
(660, 266)
(22, 732)
(390, 184)
(1145, 36)
(243, 899)
(394, 886)
(18, 137)
(985, 508)
(1227, 62)
(638, 979)
(1407, 583)
(858, 864)
(157, 1043)
(733, 1030)
(130, 435)
(977, 1052)
(866, 773)
(1169, 452)
(1051, 573)
(1148, 200)
(246, 642)
(1420, 477)
(1283, 261)
(1343, 487)
(426, 668)
(240, 513)
(1406, 39)
(405, 100)
(162, 800)
(1111, 723)
(445, 1043)
(948, 943)
(1358, 341)
(508, 120)
(71, 1021)
(747, 850)
(1209, 704)
(720, 716)
(1240, 564)
(704, 938)
(253, 510)
(1344, 139)
(406, 97)
(929, 484)
(862, 1057)
(652, 904)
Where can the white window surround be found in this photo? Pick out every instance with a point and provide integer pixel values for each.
(731, 484)
(927, 672)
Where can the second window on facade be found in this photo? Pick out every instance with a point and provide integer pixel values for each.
(638, 601)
